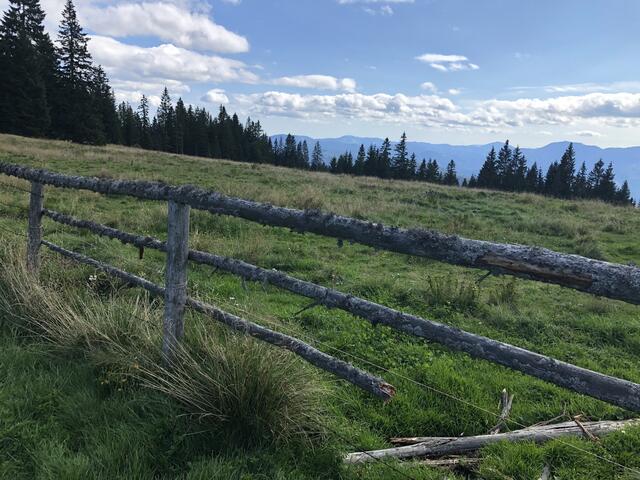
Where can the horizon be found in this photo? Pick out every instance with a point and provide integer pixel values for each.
(442, 72)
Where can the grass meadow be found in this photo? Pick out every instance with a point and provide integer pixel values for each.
(81, 395)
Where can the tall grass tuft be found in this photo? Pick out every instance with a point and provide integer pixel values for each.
(456, 293)
(247, 392)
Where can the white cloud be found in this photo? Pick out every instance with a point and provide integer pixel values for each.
(587, 133)
(610, 107)
(323, 82)
(429, 87)
(166, 21)
(165, 62)
(454, 91)
(447, 63)
(399, 108)
(232, 2)
(217, 95)
(386, 10)
(620, 110)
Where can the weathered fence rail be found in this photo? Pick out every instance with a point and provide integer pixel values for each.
(611, 280)
(610, 389)
(597, 277)
(360, 378)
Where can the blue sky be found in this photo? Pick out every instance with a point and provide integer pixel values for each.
(450, 71)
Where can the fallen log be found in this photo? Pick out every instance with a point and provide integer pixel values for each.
(613, 390)
(335, 366)
(435, 447)
(611, 280)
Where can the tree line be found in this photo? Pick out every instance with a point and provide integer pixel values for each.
(57, 92)
(507, 170)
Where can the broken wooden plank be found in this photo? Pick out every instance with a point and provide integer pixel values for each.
(435, 447)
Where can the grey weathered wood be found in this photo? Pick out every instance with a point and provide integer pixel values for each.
(506, 401)
(435, 447)
(175, 277)
(34, 231)
(616, 391)
(611, 280)
(367, 382)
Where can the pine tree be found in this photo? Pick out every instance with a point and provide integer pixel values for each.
(412, 166)
(566, 172)
(531, 179)
(399, 162)
(519, 170)
(488, 176)
(595, 179)
(623, 195)
(607, 188)
(77, 119)
(166, 123)
(359, 165)
(433, 174)
(504, 167)
(305, 155)
(422, 170)
(450, 177)
(143, 112)
(26, 67)
(473, 182)
(384, 160)
(580, 185)
(371, 162)
(317, 162)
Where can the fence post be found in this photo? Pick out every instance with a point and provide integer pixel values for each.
(175, 277)
(34, 230)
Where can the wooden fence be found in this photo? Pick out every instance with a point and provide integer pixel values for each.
(616, 281)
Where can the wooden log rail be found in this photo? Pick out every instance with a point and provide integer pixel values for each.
(613, 390)
(340, 368)
(597, 277)
(435, 447)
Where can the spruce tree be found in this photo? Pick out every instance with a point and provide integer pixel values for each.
(623, 195)
(400, 160)
(519, 171)
(77, 119)
(580, 185)
(566, 172)
(317, 162)
(145, 126)
(371, 162)
(384, 160)
(422, 170)
(504, 167)
(433, 174)
(358, 166)
(27, 63)
(450, 177)
(488, 176)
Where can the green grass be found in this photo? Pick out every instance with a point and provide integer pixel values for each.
(58, 420)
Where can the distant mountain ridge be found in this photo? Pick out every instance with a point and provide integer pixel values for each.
(469, 158)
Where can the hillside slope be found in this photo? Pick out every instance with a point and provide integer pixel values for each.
(123, 432)
(469, 158)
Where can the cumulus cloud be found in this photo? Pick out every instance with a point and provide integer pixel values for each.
(423, 109)
(612, 107)
(433, 110)
(447, 63)
(321, 82)
(166, 21)
(454, 91)
(216, 95)
(165, 62)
